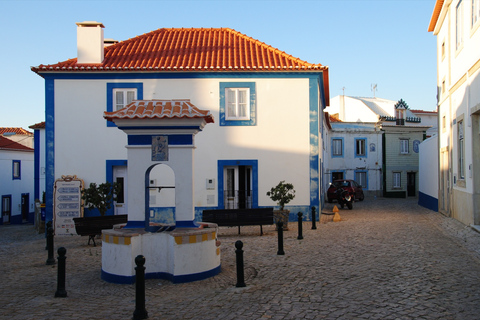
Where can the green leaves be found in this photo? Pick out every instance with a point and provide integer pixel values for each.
(283, 193)
(100, 197)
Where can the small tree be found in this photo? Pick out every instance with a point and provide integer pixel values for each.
(100, 197)
(283, 193)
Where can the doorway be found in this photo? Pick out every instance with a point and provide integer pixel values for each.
(25, 206)
(6, 208)
(337, 175)
(411, 184)
(120, 177)
(238, 187)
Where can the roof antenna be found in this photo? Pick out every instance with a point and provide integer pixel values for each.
(343, 89)
(374, 88)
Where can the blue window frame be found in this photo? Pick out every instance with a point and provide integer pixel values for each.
(337, 148)
(16, 170)
(361, 177)
(111, 87)
(360, 147)
(242, 100)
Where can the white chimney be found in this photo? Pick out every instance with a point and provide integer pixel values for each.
(90, 42)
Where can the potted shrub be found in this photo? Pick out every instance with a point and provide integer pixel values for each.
(98, 197)
(283, 193)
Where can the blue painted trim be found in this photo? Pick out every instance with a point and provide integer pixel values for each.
(121, 85)
(343, 147)
(186, 224)
(112, 278)
(161, 127)
(135, 225)
(427, 201)
(19, 177)
(253, 108)
(356, 151)
(174, 139)
(178, 75)
(233, 163)
(49, 147)
(316, 113)
(36, 164)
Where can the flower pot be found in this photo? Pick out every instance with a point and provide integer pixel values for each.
(281, 215)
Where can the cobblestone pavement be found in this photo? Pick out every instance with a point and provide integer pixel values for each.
(386, 259)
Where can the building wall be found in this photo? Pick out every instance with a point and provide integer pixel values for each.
(282, 142)
(16, 187)
(428, 174)
(459, 100)
(349, 163)
(395, 161)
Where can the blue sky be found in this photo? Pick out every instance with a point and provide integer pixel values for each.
(383, 42)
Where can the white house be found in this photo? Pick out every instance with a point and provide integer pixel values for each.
(456, 25)
(355, 152)
(266, 104)
(16, 187)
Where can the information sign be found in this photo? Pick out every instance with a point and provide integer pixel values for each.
(67, 204)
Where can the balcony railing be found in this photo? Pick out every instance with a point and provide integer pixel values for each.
(237, 199)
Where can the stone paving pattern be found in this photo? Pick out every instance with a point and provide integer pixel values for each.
(386, 259)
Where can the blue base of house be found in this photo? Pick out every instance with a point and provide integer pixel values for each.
(427, 201)
(112, 278)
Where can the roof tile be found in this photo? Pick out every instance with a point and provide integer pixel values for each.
(150, 109)
(10, 145)
(15, 130)
(183, 49)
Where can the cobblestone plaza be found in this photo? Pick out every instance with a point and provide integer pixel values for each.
(386, 259)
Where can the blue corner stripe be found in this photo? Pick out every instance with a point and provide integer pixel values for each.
(112, 278)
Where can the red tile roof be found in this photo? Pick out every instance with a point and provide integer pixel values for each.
(424, 111)
(190, 49)
(40, 125)
(4, 130)
(150, 109)
(7, 144)
(435, 15)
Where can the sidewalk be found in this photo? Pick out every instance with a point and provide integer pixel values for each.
(386, 259)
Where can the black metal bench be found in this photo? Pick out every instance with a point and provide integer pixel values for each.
(239, 217)
(93, 226)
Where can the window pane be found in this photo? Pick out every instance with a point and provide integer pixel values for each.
(231, 102)
(119, 100)
(337, 147)
(130, 96)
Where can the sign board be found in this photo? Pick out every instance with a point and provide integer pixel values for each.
(67, 204)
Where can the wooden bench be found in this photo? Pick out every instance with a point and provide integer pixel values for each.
(93, 226)
(239, 217)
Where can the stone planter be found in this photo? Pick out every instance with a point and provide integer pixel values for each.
(281, 215)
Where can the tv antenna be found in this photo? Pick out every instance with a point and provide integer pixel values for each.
(374, 88)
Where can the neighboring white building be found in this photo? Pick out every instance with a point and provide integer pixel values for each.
(355, 152)
(20, 135)
(428, 174)
(39, 170)
(267, 107)
(16, 187)
(456, 24)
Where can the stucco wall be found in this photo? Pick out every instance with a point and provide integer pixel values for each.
(280, 141)
(428, 173)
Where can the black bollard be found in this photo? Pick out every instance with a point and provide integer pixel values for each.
(49, 225)
(61, 292)
(51, 259)
(240, 271)
(300, 226)
(280, 238)
(314, 219)
(140, 311)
